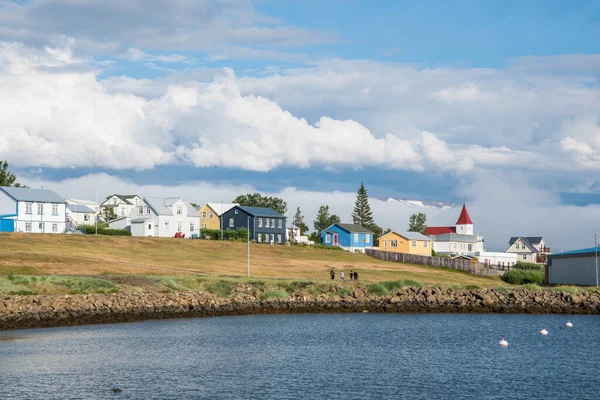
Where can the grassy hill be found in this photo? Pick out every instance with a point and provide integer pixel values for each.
(32, 254)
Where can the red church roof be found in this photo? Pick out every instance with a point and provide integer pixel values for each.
(439, 230)
(464, 218)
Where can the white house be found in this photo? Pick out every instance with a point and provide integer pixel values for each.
(31, 210)
(458, 239)
(164, 217)
(88, 203)
(497, 259)
(78, 214)
(122, 204)
(528, 248)
(292, 233)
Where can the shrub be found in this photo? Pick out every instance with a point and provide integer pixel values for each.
(221, 288)
(393, 285)
(527, 266)
(520, 277)
(274, 294)
(91, 229)
(472, 287)
(344, 292)
(322, 246)
(532, 287)
(377, 289)
(23, 292)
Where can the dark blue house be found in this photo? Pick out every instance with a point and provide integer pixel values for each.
(351, 237)
(266, 225)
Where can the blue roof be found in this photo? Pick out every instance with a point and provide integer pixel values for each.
(80, 209)
(590, 250)
(261, 212)
(33, 195)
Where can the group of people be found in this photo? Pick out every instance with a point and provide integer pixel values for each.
(353, 275)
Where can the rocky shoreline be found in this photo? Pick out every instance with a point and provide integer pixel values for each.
(21, 312)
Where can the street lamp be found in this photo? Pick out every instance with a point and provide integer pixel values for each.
(248, 247)
(221, 219)
(596, 256)
(42, 208)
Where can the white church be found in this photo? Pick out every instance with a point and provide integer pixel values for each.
(458, 239)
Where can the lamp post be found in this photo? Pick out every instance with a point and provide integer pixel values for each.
(42, 208)
(98, 212)
(596, 256)
(221, 219)
(248, 247)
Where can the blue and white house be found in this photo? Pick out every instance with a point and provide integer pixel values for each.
(266, 225)
(350, 237)
(31, 210)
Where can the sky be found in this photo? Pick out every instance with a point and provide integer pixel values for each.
(495, 103)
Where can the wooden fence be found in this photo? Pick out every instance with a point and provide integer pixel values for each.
(471, 266)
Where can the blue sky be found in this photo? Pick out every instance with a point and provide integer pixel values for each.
(428, 100)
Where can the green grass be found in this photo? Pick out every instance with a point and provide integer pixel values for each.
(221, 288)
(531, 287)
(273, 294)
(344, 292)
(29, 285)
(566, 289)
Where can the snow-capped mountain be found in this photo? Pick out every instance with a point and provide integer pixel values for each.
(442, 205)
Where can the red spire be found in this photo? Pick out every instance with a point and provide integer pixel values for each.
(464, 218)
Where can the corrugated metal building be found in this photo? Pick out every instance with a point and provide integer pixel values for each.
(577, 267)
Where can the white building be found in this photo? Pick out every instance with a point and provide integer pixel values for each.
(88, 203)
(164, 217)
(292, 234)
(528, 248)
(31, 210)
(458, 239)
(497, 259)
(122, 204)
(80, 215)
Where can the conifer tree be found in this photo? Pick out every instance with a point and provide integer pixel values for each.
(299, 221)
(362, 214)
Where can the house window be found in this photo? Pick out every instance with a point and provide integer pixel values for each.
(231, 222)
(327, 238)
(211, 215)
(272, 222)
(470, 247)
(149, 227)
(280, 223)
(267, 220)
(367, 239)
(147, 209)
(524, 256)
(41, 226)
(203, 214)
(192, 227)
(54, 209)
(272, 238)
(40, 208)
(27, 208)
(179, 210)
(279, 238)
(54, 228)
(140, 210)
(27, 226)
(259, 237)
(385, 243)
(425, 243)
(179, 226)
(356, 238)
(454, 245)
(414, 243)
(259, 223)
(393, 243)
(167, 226)
(86, 217)
(236, 211)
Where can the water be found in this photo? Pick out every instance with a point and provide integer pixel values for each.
(339, 356)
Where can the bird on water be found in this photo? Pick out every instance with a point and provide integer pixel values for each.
(116, 390)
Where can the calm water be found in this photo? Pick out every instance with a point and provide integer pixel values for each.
(351, 356)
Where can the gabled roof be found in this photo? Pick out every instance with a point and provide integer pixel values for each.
(124, 197)
(220, 208)
(78, 208)
(527, 241)
(351, 228)
(410, 235)
(33, 195)
(260, 211)
(464, 218)
(439, 230)
(161, 206)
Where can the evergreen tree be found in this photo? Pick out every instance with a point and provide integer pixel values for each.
(362, 214)
(417, 223)
(258, 200)
(324, 219)
(299, 222)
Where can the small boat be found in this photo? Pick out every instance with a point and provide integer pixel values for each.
(503, 342)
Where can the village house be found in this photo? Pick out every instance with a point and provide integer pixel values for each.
(350, 237)
(406, 242)
(31, 210)
(293, 234)
(210, 215)
(78, 214)
(122, 204)
(529, 249)
(266, 225)
(160, 217)
(458, 239)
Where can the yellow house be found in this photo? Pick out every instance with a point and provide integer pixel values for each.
(406, 242)
(210, 215)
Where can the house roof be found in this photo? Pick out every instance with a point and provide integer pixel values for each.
(260, 211)
(528, 241)
(33, 195)
(80, 201)
(352, 228)
(140, 220)
(464, 218)
(454, 237)
(161, 206)
(439, 230)
(124, 197)
(468, 257)
(78, 208)
(590, 250)
(220, 208)
(410, 235)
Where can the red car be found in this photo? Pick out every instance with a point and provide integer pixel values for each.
(180, 235)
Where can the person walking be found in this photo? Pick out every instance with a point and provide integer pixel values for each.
(351, 275)
(355, 275)
(332, 273)
(342, 276)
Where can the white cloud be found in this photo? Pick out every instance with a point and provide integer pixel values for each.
(139, 55)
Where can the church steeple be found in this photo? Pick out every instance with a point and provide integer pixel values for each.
(464, 225)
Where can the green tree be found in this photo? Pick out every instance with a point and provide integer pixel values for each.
(299, 221)
(417, 223)
(362, 214)
(258, 200)
(7, 178)
(108, 214)
(324, 219)
(196, 206)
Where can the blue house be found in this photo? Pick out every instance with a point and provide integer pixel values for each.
(350, 237)
(266, 225)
